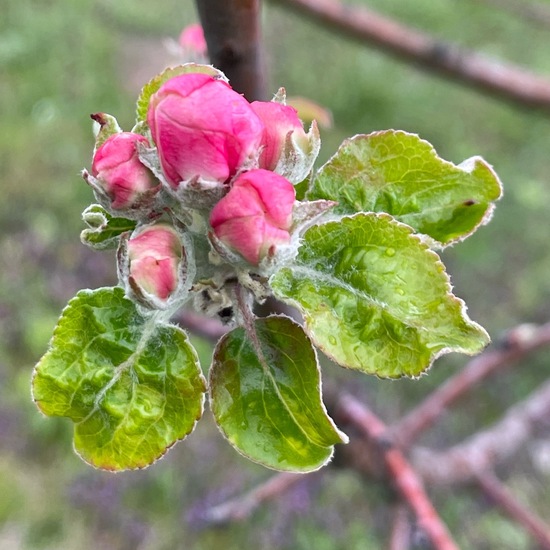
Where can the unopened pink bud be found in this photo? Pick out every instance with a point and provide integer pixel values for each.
(119, 171)
(192, 38)
(154, 256)
(256, 215)
(279, 121)
(202, 128)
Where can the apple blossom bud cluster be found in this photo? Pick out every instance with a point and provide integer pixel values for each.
(203, 174)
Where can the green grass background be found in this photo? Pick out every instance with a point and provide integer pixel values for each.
(61, 60)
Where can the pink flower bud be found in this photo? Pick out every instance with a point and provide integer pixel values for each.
(255, 215)
(120, 173)
(279, 121)
(192, 39)
(154, 257)
(202, 128)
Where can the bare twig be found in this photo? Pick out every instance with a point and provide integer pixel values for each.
(400, 472)
(242, 507)
(534, 525)
(520, 341)
(499, 79)
(232, 32)
(483, 450)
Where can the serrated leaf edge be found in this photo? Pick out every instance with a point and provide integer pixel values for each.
(141, 344)
(449, 294)
(467, 166)
(343, 437)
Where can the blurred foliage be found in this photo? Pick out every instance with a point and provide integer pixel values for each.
(61, 60)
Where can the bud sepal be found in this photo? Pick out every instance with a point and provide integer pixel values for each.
(287, 149)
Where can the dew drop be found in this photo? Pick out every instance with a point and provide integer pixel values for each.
(390, 251)
(400, 291)
(332, 340)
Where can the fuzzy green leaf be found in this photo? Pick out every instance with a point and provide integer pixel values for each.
(401, 174)
(103, 230)
(376, 298)
(155, 83)
(132, 387)
(266, 396)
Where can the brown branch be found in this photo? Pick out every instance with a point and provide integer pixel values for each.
(534, 525)
(232, 32)
(520, 341)
(242, 507)
(399, 471)
(496, 78)
(480, 452)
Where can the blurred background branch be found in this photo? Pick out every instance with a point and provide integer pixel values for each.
(519, 342)
(243, 506)
(486, 448)
(233, 35)
(492, 76)
(400, 474)
(510, 504)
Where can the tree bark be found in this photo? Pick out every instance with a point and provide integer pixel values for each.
(499, 79)
(232, 32)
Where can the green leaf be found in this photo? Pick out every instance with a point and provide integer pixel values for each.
(376, 298)
(401, 174)
(301, 188)
(265, 389)
(132, 387)
(103, 229)
(155, 83)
